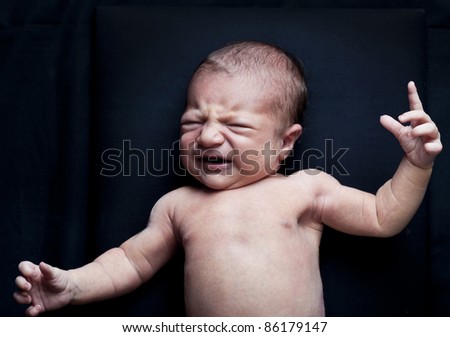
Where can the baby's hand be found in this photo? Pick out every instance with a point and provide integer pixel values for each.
(420, 140)
(43, 287)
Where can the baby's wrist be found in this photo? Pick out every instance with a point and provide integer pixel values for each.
(420, 167)
(72, 288)
(418, 174)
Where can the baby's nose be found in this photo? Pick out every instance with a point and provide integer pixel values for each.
(210, 136)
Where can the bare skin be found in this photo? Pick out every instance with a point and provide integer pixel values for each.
(251, 241)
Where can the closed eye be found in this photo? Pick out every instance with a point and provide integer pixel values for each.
(190, 125)
(191, 122)
(239, 127)
(191, 118)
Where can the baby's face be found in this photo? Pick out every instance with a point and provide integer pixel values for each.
(228, 137)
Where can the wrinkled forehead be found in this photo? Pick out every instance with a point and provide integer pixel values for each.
(235, 93)
(243, 86)
(232, 92)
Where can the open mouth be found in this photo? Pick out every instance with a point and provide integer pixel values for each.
(215, 163)
(215, 160)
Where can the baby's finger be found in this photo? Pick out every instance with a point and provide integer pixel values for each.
(414, 117)
(427, 129)
(47, 270)
(28, 269)
(433, 147)
(22, 297)
(413, 97)
(22, 283)
(34, 310)
(391, 125)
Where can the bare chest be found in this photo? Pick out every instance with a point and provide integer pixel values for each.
(244, 247)
(248, 219)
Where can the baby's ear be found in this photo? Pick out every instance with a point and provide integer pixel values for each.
(289, 138)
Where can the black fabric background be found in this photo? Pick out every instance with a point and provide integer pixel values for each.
(51, 194)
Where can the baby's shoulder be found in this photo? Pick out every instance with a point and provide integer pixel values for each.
(309, 176)
(172, 202)
(313, 179)
(179, 194)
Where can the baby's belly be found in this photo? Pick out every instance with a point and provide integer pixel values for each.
(253, 280)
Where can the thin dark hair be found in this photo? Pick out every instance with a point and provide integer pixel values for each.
(282, 71)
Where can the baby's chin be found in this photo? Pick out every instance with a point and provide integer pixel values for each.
(222, 183)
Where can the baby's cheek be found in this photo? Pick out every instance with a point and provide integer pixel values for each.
(186, 142)
(249, 163)
(257, 164)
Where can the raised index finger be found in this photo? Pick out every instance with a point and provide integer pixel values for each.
(413, 97)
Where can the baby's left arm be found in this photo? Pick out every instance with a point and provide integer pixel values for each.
(390, 210)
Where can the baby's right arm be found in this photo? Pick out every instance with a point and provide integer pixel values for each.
(114, 273)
